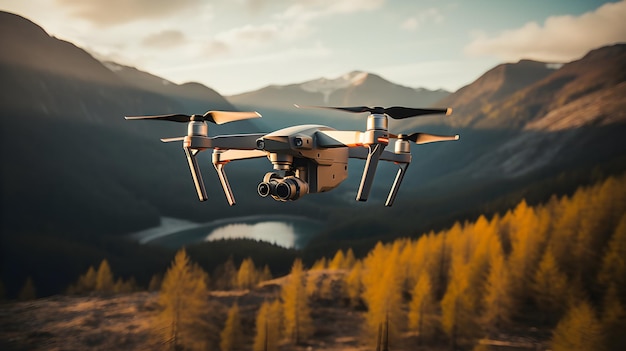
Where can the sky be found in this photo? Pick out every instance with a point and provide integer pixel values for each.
(235, 46)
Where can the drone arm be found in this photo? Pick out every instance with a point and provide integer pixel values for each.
(195, 173)
(235, 141)
(222, 157)
(339, 138)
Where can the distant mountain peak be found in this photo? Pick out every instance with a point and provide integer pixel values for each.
(327, 86)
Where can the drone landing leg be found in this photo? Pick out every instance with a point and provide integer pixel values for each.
(230, 197)
(371, 163)
(396, 184)
(195, 173)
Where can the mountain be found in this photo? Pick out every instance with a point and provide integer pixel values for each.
(538, 95)
(69, 158)
(352, 89)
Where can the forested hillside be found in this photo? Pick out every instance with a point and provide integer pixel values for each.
(549, 276)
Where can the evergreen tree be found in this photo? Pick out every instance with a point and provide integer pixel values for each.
(579, 330)
(104, 278)
(28, 291)
(183, 298)
(230, 337)
(297, 316)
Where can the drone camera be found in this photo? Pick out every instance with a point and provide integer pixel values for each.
(282, 188)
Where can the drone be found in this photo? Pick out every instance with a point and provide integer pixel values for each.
(306, 158)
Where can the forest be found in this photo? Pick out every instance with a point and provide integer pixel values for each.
(554, 272)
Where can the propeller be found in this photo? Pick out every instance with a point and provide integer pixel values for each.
(395, 112)
(424, 138)
(217, 117)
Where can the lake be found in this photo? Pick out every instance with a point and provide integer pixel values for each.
(284, 230)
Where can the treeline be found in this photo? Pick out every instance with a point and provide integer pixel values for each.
(560, 265)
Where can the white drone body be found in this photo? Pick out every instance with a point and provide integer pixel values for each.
(305, 158)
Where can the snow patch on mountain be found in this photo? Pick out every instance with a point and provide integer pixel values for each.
(327, 86)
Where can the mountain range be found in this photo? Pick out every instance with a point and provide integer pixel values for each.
(73, 166)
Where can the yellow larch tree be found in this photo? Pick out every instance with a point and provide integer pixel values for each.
(550, 286)
(104, 277)
(578, 330)
(613, 268)
(319, 264)
(352, 286)
(422, 308)
(382, 289)
(247, 275)
(268, 326)
(349, 260)
(231, 335)
(498, 298)
(184, 302)
(457, 318)
(338, 261)
(28, 291)
(296, 311)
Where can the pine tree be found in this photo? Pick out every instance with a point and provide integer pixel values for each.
(230, 337)
(421, 308)
(297, 316)
(268, 326)
(579, 330)
(28, 291)
(183, 297)
(104, 278)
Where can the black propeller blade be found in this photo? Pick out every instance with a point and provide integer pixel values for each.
(395, 112)
(217, 117)
(424, 138)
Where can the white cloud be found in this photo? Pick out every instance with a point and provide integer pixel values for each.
(431, 15)
(164, 39)
(561, 38)
(114, 12)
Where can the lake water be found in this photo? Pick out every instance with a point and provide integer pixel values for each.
(286, 231)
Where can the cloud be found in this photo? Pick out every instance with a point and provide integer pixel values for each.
(431, 15)
(113, 12)
(164, 39)
(560, 39)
